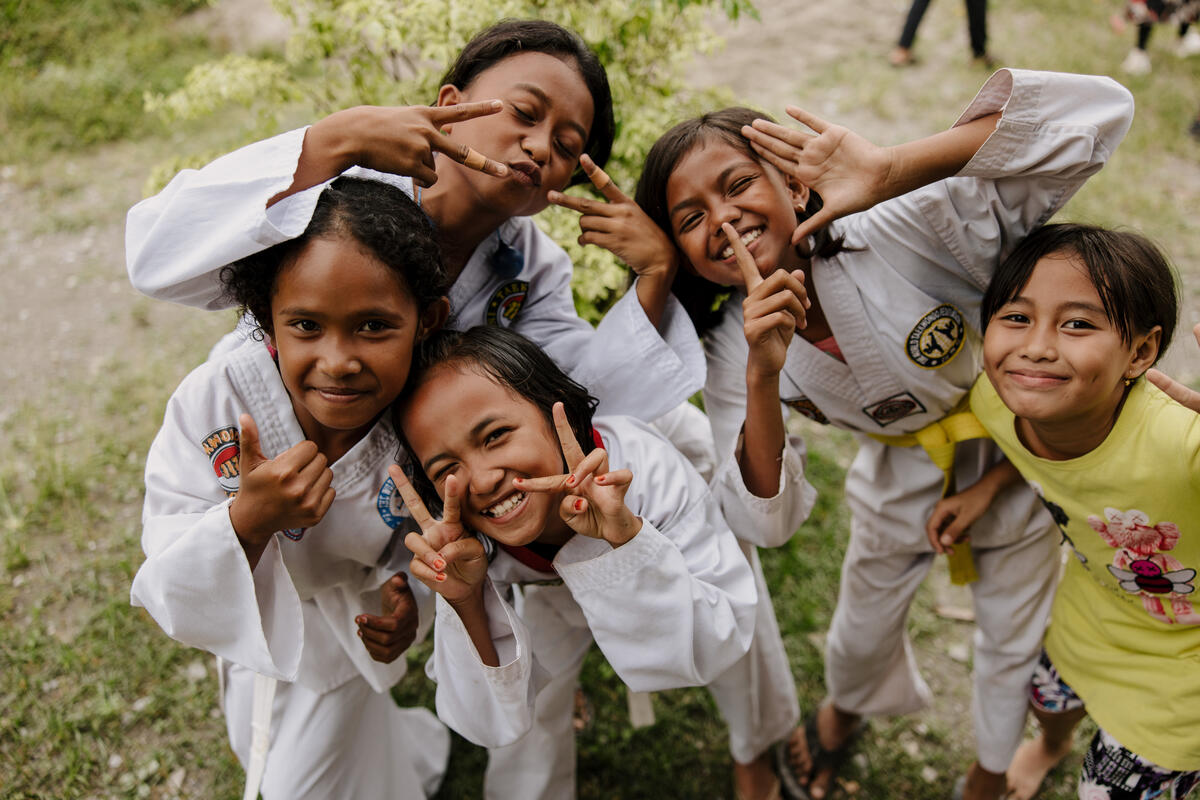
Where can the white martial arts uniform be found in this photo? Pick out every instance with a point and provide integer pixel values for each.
(177, 241)
(674, 606)
(903, 304)
(335, 731)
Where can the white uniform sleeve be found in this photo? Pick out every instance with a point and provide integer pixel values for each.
(762, 521)
(1055, 131)
(177, 241)
(631, 366)
(675, 605)
(196, 582)
(490, 706)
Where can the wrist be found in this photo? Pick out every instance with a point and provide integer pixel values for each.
(331, 140)
(623, 529)
(762, 379)
(471, 602)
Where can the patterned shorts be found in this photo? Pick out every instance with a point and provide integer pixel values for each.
(1110, 770)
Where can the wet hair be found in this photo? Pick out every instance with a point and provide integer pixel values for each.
(1131, 275)
(701, 298)
(512, 361)
(514, 36)
(378, 217)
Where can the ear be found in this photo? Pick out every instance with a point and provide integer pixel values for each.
(1145, 352)
(799, 193)
(434, 317)
(449, 95)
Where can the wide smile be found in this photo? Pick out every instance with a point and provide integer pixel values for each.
(506, 509)
(747, 237)
(1036, 379)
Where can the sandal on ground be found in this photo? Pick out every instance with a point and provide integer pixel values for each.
(821, 759)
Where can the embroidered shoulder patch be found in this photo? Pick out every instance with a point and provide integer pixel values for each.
(506, 303)
(890, 409)
(390, 506)
(805, 406)
(221, 447)
(937, 337)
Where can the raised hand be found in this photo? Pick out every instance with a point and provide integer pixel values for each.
(594, 501)
(401, 140)
(772, 311)
(292, 490)
(620, 226)
(444, 559)
(392, 632)
(849, 172)
(1174, 389)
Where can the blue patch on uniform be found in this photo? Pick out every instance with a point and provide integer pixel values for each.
(390, 505)
(295, 534)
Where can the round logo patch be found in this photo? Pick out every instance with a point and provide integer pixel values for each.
(506, 303)
(390, 505)
(221, 447)
(937, 337)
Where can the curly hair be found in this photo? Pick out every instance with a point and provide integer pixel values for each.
(510, 360)
(378, 217)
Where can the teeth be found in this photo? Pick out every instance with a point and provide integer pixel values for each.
(747, 238)
(504, 506)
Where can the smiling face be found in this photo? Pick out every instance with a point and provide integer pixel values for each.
(715, 183)
(460, 422)
(1055, 357)
(344, 327)
(539, 134)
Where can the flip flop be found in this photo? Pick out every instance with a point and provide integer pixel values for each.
(821, 759)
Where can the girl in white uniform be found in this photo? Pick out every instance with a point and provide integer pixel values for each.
(627, 549)
(887, 347)
(272, 548)
(553, 105)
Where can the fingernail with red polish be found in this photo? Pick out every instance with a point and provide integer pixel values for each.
(601, 479)
(441, 576)
(578, 505)
(439, 564)
(570, 480)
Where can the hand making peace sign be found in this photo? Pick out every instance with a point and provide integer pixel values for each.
(594, 500)
(449, 563)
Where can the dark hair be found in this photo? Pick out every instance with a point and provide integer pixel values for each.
(701, 298)
(1131, 275)
(513, 36)
(510, 360)
(377, 216)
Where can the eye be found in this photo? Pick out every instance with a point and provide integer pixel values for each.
(1078, 325)
(1015, 317)
(304, 326)
(496, 435)
(740, 185)
(568, 150)
(375, 326)
(689, 222)
(442, 472)
(524, 113)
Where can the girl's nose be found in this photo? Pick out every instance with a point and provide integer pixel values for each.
(338, 360)
(1041, 343)
(485, 479)
(536, 145)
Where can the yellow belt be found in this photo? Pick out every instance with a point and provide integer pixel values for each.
(938, 440)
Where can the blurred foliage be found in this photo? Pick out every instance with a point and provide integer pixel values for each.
(343, 53)
(72, 72)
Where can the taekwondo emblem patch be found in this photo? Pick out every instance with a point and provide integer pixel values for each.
(221, 447)
(890, 409)
(805, 406)
(937, 337)
(295, 534)
(506, 303)
(389, 505)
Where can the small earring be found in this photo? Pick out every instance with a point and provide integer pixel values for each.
(1129, 381)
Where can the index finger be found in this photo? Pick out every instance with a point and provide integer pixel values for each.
(450, 504)
(441, 115)
(417, 508)
(566, 436)
(749, 269)
(601, 180)
(811, 120)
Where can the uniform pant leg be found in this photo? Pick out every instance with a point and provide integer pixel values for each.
(541, 764)
(1012, 602)
(977, 26)
(869, 664)
(350, 742)
(757, 695)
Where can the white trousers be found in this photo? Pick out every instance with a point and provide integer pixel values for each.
(350, 742)
(869, 663)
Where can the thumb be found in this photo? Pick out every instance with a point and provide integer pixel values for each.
(250, 453)
(811, 225)
(396, 592)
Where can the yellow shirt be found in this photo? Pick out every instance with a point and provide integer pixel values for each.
(1125, 630)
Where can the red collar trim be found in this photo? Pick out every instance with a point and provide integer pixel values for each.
(527, 557)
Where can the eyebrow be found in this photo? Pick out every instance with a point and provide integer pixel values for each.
(474, 433)
(297, 311)
(541, 95)
(720, 179)
(1072, 306)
